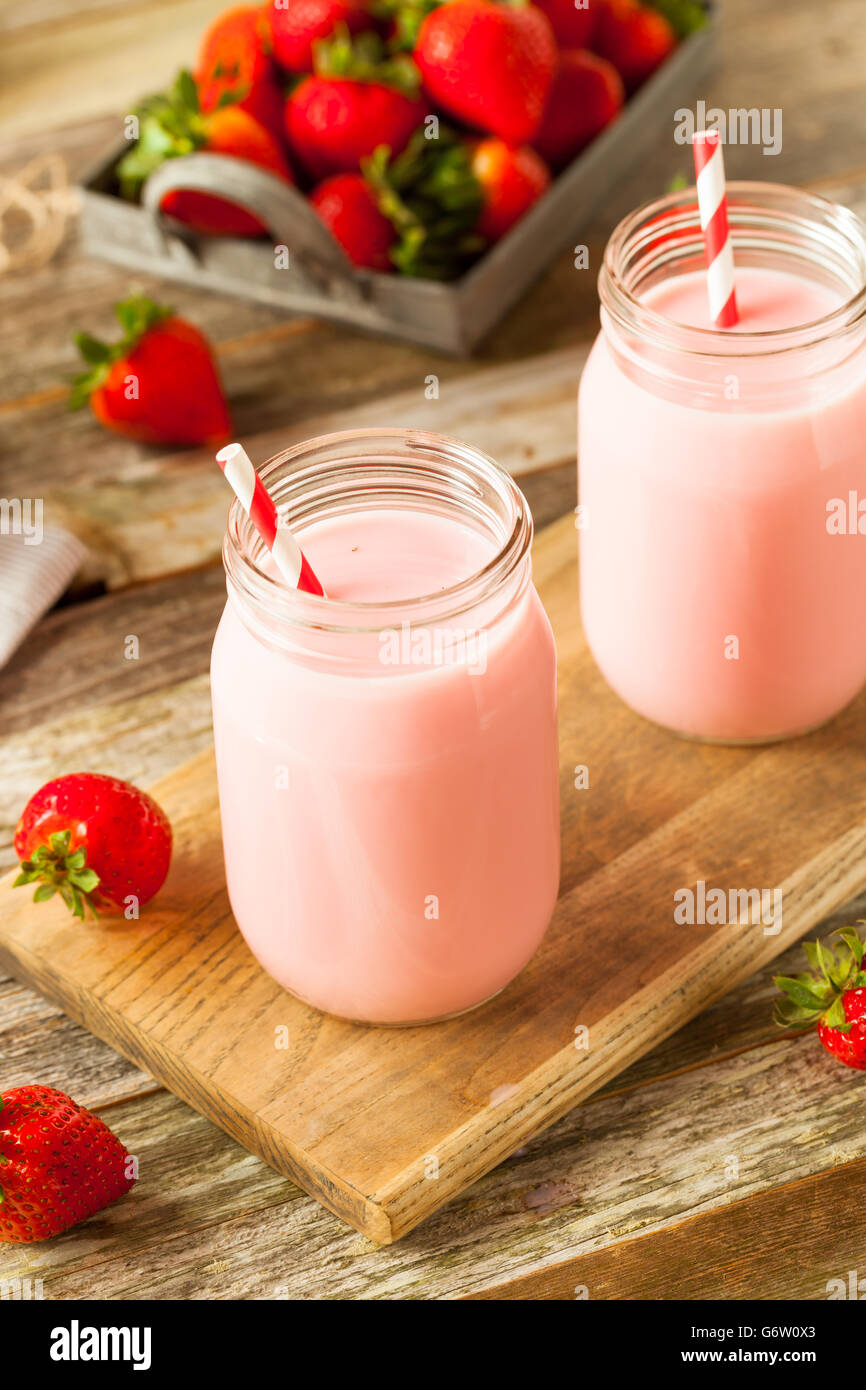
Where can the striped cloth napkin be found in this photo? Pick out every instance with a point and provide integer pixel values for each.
(32, 578)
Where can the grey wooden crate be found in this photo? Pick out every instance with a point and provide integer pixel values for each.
(320, 280)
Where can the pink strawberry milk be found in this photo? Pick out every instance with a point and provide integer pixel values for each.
(721, 595)
(387, 756)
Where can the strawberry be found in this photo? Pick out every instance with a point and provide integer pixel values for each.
(159, 384)
(59, 1164)
(635, 39)
(172, 125)
(356, 101)
(834, 997)
(573, 25)
(295, 26)
(348, 206)
(417, 211)
(587, 94)
(234, 68)
(491, 65)
(95, 840)
(511, 179)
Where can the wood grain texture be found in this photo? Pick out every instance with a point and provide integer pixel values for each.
(85, 650)
(136, 739)
(161, 512)
(471, 1091)
(208, 1220)
(794, 1242)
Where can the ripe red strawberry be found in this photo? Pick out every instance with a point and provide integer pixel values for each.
(357, 100)
(96, 841)
(334, 123)
(59, 1164)
(511, 180)
(587, 94)
(635, 39)
(234, 67)
(172, 125)
(159, 384)
(417, 211)
(295, 25)
(350, 208)
(573, 26)
(490, 64)
(834, 997)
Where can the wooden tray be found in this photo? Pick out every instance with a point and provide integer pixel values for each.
(451, 317)
(384, 1126)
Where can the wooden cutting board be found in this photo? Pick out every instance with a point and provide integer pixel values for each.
(384, 1126)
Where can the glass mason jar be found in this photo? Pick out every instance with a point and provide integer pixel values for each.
(722, 473)
(388, 769)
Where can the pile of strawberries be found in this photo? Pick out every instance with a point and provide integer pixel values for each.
(420, 130)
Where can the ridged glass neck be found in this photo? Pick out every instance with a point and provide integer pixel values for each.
(375, 470)
(773, 227)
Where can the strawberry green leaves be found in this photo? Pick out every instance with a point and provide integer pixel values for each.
(55, 870)
(364, 58)
(433, 200)
(405, 18)
(818, 997)
(136, 316)
(170, 124)
(684, 16)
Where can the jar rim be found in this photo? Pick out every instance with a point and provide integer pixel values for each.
(314, 462)
(783, 202)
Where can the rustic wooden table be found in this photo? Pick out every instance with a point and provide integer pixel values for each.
(731, 1162)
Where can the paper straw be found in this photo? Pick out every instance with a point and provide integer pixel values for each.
(713, 209)
(260, 507)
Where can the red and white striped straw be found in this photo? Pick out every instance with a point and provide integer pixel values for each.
(713, 209)
(260, 507)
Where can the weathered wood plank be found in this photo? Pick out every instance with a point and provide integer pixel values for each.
(112, 649)
(17, 15)
(798, 1241)
(38, 1043)
(617, 1167)
(83, 649)
(144, 514)
(117, 53)
(137, 739)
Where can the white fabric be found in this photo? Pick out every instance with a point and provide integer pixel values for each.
(32, 578)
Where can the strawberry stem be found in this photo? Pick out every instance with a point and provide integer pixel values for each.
(364, 58)
(55, 870)
(136, 316)
(407, 17)
(432, 198)
(818, 997)
(684, 16)
(170, 124)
